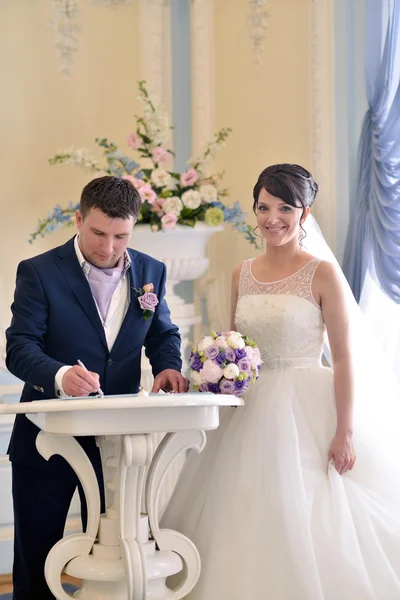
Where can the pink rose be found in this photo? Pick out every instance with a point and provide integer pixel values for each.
(149, 287)
(157, 206)
(154, 228)
(147, 193)
(137, 183)
(212, 372)
(148, 301)
(256, 360)
(189, 177)
(249, 352)
(160, 155)
(134, 141)
(169, 220)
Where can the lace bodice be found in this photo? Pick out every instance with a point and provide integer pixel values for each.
(282, 317)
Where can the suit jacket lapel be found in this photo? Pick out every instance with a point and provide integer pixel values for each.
(76, 279)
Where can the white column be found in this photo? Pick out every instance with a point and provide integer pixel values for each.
(202, 56)
(213, 285)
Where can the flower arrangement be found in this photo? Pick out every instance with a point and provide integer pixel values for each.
(168, 198)
(225, 363)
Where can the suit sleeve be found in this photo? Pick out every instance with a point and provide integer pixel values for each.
(26, 335)
(163, 341)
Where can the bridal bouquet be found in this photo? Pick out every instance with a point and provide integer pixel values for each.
(225, 363)
(168, 198)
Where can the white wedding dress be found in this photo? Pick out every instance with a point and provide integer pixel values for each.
(270, 518)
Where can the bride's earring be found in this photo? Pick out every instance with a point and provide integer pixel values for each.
(261, 247)
(302, 235)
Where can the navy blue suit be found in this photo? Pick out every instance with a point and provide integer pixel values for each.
(55, 322)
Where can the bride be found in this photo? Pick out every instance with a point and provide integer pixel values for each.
(297, 495)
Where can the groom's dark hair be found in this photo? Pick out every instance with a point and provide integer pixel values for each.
(115, 197)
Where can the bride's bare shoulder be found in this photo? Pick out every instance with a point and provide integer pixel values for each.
(327, 274)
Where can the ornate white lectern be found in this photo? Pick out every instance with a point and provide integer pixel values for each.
(124, 555)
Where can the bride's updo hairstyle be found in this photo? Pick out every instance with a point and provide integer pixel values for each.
(293, 184)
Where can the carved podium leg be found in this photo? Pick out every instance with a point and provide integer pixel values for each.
(78, 544)
(123, 563)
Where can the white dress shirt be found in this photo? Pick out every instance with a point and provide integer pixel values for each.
(116, 312)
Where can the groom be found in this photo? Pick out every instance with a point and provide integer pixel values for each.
(79, 302)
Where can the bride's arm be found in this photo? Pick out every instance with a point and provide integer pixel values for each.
(329, 288)
(234, 294)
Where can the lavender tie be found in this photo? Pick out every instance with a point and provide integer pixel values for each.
(103, 283)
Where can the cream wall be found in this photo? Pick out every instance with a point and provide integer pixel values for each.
(268, 107)
(41, 112)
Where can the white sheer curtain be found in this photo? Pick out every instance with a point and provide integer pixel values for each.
(383, 316)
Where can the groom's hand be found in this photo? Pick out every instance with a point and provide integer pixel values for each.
(170, 380)
(79, 382)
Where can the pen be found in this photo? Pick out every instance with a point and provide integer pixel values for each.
(80, 363)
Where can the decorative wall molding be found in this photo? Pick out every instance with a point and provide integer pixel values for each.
(258, 27)
(66, 29)
(322, 116)
(66, 32)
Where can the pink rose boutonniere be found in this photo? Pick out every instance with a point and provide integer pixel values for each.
(147, 299)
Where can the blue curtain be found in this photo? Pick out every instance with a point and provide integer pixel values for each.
(374, 231)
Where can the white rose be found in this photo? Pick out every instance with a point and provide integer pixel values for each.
(173, 204)
(231, 371)
(191, 199)
(205, 343)
(236, 342)
(160, 177)
(221, 342)
(196, 377)
(171, 185)
(208, 193)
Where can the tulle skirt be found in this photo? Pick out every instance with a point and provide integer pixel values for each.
(273, 520)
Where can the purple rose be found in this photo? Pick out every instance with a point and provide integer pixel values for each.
(244, 365)
(240, 354)
(213, 388)
(230, 355)
(239, 384)
(203, 387)
(196, 363)
(221, 357)
(227, 387)
(211, 352)
(148, 301)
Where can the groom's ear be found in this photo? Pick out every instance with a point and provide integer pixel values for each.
(79, 218)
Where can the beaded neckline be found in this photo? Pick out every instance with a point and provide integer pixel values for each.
(279, 280)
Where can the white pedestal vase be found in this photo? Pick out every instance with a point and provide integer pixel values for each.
(123, 554)
(183, 250)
